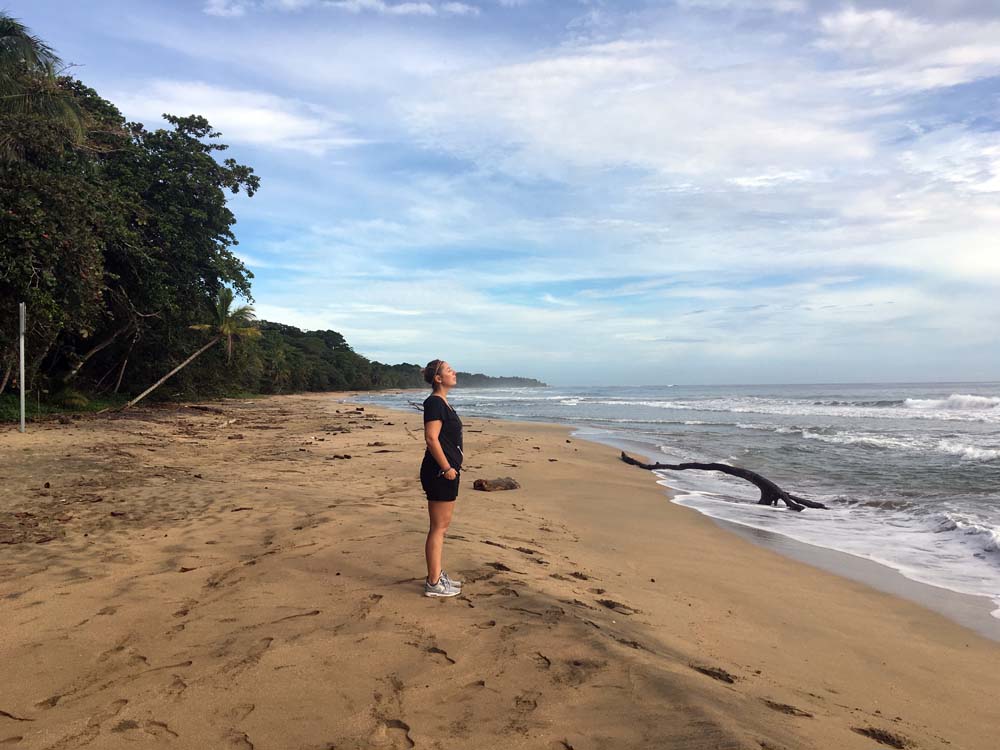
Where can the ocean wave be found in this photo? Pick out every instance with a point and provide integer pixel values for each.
(954, 402)
(960, 408)
(878, 403)
(970, 452)
(987, 538)
(872, 441)
(918, 443)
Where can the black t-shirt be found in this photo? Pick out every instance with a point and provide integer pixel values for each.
(435, 408)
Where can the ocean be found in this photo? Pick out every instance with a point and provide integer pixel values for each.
(910, 471)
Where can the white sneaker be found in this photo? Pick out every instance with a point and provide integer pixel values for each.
(446, 577)
(442, 588)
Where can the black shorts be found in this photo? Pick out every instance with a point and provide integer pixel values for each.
(437, 487)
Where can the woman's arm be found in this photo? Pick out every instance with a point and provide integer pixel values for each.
(432, 431)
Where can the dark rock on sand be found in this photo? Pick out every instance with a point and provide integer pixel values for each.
(492, 485)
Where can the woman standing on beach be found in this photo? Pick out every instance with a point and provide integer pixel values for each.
(439, 472)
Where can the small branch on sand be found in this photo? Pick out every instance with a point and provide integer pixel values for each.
(770, 493)
(415, 405)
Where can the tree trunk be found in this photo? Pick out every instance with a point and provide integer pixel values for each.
(121, 373)
(6, 377)
(770, 493)
(166, 377)
(94, 350)
(128, 354)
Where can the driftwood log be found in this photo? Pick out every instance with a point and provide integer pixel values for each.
(770, 493)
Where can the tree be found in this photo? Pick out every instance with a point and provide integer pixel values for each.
(29, 86)
(229, 324)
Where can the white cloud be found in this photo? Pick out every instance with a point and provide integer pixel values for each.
(652, 105)
(777, 6)
(237, 8)
(242, 116)
(968, 161)
(404, 8)
(898, 51)
(226, 8)
(460, 9)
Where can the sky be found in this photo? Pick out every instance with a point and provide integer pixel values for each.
(596, 192)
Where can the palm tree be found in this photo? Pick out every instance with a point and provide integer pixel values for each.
(229, 324)
(29, 85)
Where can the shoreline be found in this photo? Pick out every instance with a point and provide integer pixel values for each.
(973, 612)
(228, 578)
(970, 611)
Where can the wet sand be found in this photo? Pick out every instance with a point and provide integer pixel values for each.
(227, 578)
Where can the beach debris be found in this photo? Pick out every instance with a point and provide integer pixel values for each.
(716, 673)
(493, 485)
(785, 708)
(630, 643)
(235, 436)
(622, 609)
(770, 493)
(200, 407)
(883, 737)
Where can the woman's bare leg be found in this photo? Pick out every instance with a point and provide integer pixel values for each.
(440, 515)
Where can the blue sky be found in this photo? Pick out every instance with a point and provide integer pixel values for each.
(588, 192)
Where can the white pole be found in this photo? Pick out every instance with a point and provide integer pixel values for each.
(20, 380)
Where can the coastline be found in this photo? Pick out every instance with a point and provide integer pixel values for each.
(973, 612)
(259, 590)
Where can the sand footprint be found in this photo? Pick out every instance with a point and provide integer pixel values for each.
(392, 733)
(239, 740)
(577, 671)
(440, 652)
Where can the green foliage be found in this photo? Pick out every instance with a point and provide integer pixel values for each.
(37, 410)
(29, 88)
(69, 398)
(118, 242)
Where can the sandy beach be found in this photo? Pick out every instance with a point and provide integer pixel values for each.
(247, 574)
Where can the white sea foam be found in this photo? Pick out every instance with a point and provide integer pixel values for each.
(954, 552)
(955, 408)
(954, 402)
(969, 452)
(983, 536)
(902, 441)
